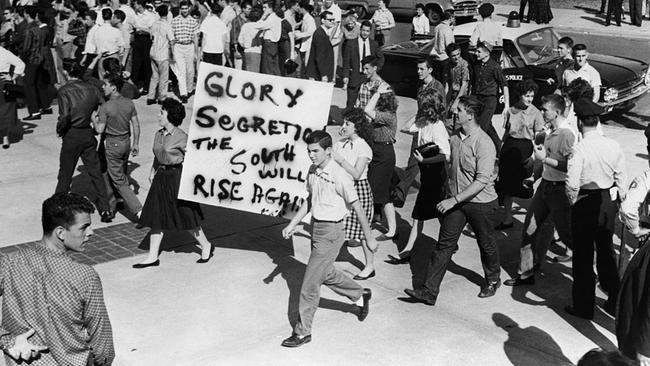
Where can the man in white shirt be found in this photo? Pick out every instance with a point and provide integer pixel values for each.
(90, 49)
(186, 32)
(119, 22)
(272, 27)
(229, 11)
(108, 41)
(304, 35)
(421, 24)
(581, 69)
(216, 38)
(162, 35)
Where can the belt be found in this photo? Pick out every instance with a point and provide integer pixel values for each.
(142, 33)
(110, 54)
(184, 44)
(592, 191)
(329, 221)
(554, 182)
(171, 166)
(117, 136)
(383, 142)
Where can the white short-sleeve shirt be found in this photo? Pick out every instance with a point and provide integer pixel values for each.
(436, 133)
(351, 151)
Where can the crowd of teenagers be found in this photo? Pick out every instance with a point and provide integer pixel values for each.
(466, 169)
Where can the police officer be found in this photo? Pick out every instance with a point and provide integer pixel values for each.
(596, 176)
(77, 102)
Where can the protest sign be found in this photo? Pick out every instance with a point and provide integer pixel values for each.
(246, 147)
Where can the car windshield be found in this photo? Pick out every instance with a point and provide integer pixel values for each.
(539, 47)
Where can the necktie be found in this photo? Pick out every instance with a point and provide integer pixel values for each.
(364, 53)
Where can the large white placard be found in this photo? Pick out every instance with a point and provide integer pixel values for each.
(246, 146)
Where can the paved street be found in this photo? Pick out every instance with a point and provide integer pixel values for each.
(237, 308)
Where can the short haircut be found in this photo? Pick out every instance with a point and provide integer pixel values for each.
(451, 48)
(566, 40)
(61, 209)
(419, 6)
(247, 3)
(162, 11)
(107, 14)
(362, 126)
(114, 80)
(366, 23)
(578, 88)
(426, 60)
(372, 60)
(579, 47)
(256, 13)
(325, 14)
(20, 10)
(527, 85)
(304, 4)
(484, 46)
(72, 67)
(91, 14)
(556, 101)
(185, 3)
(32, 11)
(216, 8)
(319, 137)
(471, 104)
(175, 111)
(120, 15)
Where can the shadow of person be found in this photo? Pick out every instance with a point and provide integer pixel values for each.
(529, 346)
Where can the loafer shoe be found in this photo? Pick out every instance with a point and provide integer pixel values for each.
(365, 309)
(518, 281)
(361, 278)
(32, 117)
(47, 111)
(421, 296)
(489, 289)
(107, 216)
(295, 341)
(570, 310)
(156, 263)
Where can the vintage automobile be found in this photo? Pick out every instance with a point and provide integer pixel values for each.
(529, 51)
(463, 9)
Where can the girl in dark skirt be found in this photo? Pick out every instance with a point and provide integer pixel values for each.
(522, 122)
(353, 154)
(163, 210)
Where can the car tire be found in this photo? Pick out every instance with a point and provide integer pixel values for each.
(434, 13)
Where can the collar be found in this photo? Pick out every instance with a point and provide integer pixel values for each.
(166, 132)
(583, 67)
(464, 135)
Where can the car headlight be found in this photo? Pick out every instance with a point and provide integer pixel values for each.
(646, 80)
(610, 94)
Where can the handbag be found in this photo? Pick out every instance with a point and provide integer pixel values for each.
(428, 150)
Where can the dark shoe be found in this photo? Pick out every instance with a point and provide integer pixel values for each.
(504, 226)
(361, 278)
(402, 258)
(151, 101)
(610, 307)
(365, 309)
(518, 281)
(107, 216)
(201, 260)
(191, 93)
(184, 99)
(569, 309)
(145, 265)
(47, 111)
(139, 226)
(421, 296)
(32, 117)
(490, 289)
(5, 142)
(295, 341)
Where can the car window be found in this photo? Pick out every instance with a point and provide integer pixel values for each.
(539, 46)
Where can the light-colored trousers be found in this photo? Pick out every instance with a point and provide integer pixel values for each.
(159, 78)
(326, 241)
(185, 61)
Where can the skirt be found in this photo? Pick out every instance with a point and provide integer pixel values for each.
(163, 210)
(514, 166)
(353, 229)
(539, 11)
(380, 171)
(433, 178)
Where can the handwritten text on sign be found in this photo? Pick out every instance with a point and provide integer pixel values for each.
(246, 147)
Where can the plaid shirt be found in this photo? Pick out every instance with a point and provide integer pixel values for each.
(185, 29)
(366, 92)
(62, 300)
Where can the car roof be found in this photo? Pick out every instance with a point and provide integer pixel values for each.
(507, 33)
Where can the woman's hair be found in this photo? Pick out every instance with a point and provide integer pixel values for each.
(362, 126)
(175, 111)
(526, 86)
(578, 88)
(431, 106)
(387, 103)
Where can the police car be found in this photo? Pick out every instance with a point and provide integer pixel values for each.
(529, 51)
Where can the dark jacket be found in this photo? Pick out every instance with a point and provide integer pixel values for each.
(633, 306)
(35, 46)
(77, 101)
(352, 60)
(321, 56)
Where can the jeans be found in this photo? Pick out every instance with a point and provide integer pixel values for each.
(159, 78)
(117, 150)
(451, 226)
(185, 67)
(326, 242)
(549, 199)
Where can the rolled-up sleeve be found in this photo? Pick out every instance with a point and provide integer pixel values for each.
(486, 155)
(629, 211)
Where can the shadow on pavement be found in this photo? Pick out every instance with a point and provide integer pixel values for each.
(524, 344)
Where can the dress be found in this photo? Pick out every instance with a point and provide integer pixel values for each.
(380, 169)
(539, 11)
(433, 177)
(515, 163)
(163, 210)
(351, 152)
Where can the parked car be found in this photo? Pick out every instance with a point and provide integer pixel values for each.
(463, 9)
(529, 51)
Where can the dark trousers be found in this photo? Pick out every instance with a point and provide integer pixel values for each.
(592, 223)
(353, 94)
(603, 5)
(441, 70)
(37, 96)
(451, 226)
(270, 63)
(81, 143)
(614, 7)
(636, 15)
(522, 8)
(141, 66)
(485, 119)
(213, 58)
